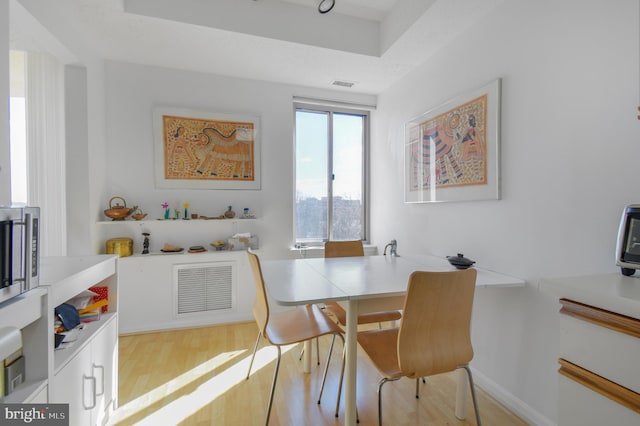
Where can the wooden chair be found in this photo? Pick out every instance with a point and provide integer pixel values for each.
(285, 328)
(347, 249)
(350, 249)
(434, 334)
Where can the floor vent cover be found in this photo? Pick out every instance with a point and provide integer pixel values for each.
(204, 287)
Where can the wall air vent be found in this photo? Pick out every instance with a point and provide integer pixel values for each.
(343, 83)
(204, 287)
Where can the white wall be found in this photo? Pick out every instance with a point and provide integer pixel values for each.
(569, 165)
(131, 93)
(77, 183)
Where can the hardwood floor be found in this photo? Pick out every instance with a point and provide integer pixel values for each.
(198, 377)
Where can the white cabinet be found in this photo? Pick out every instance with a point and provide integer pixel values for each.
(88, 381)
(580, 406)
(71, 385)
(599, 349)
(152, 286)
(104, 364)
(84, 375)
(150, 290)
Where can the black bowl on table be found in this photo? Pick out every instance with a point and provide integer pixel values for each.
(460, 262)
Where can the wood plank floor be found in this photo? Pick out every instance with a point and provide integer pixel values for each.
(198, 377)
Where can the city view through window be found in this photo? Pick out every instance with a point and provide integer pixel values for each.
(330, 175)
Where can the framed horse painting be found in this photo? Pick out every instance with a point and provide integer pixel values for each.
(202, 150)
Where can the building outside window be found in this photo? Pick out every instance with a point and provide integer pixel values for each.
(331, 174)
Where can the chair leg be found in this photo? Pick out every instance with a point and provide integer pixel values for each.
(255, 348)
(380, 383)
(326, 367)
(418, 386)
(273, 385)
(473, 394)
(344, 355)
(317, 352)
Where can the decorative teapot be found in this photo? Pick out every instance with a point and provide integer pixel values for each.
(117, 212)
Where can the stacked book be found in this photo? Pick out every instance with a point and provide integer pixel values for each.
(11, 372)
(92, 312)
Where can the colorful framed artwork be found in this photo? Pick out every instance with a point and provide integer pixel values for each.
(202, 150)
(452, 152)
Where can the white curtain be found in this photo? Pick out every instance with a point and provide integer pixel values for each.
(46, 149)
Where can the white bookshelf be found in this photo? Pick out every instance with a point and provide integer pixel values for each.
(91, 362)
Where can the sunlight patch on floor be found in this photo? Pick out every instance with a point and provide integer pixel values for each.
(132, 407)
(186, 405)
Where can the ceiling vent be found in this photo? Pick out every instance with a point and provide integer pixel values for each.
(343, 83)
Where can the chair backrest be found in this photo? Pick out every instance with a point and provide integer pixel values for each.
(434, 335)
(261, 304)
(343, 248)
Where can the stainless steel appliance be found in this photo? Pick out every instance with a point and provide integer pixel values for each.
(19, 250)
(628, 246)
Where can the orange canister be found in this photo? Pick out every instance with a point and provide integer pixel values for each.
(123, 247)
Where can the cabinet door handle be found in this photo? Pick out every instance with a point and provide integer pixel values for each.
(101, 368)
(93, 391)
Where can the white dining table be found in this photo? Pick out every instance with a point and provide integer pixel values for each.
(361, 284)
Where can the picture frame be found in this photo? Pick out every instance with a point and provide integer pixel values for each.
(196, 149)
(452, 152)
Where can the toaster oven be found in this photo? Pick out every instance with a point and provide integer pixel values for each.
(628, 245)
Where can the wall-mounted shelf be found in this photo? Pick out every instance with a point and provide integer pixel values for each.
(177, 221)
(178, 232)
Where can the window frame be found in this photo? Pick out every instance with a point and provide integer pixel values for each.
(331, 109)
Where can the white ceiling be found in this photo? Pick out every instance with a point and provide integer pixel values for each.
(372, 43)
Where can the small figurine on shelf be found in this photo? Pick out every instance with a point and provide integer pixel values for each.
(246, 214)
(145, 244)
(186, 206)
(176, 214)
(230, 214)
(165, 206)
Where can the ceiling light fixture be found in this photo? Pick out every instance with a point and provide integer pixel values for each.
(343, 83)
(326, 6)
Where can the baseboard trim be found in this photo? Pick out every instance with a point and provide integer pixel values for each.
(515, 405)
(181, 324)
